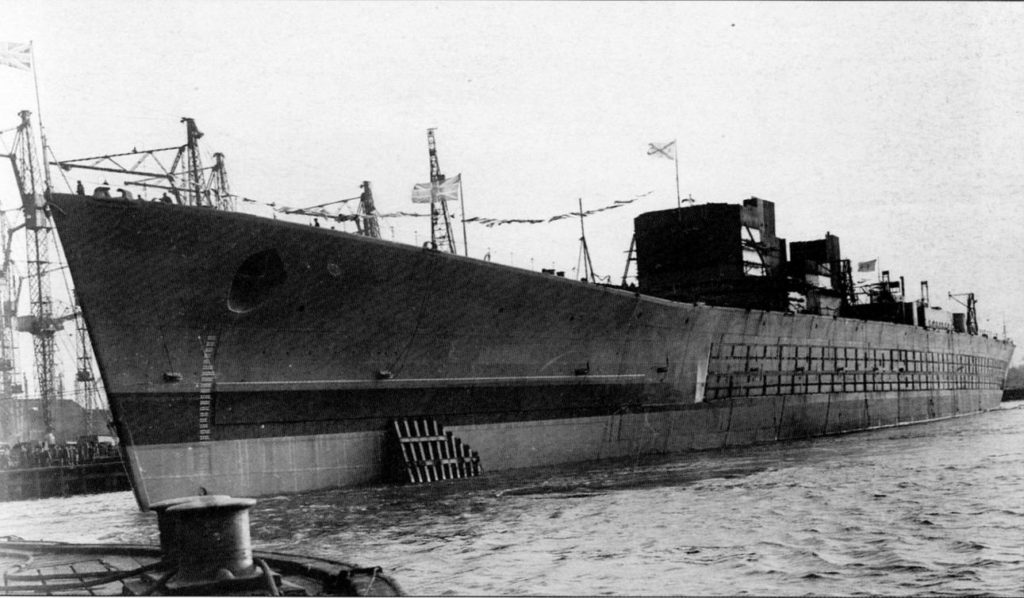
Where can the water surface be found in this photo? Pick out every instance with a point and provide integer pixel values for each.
(926, 509)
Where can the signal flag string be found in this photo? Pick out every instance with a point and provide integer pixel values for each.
(488, 222)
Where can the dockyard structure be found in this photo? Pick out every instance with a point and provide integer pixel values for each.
(69, 420)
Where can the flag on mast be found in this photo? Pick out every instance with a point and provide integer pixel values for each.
(449, 190)
(667, 149)
(868, 266)
(16, 55)
(662, 149)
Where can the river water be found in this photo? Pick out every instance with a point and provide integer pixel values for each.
(927, 509)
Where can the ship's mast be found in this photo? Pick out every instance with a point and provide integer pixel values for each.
(440, 225)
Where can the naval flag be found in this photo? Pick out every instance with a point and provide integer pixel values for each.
(449, 190)
(16, 55)
(868, 266)
(662, 149)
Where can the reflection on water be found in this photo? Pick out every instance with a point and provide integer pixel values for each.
(935, 508)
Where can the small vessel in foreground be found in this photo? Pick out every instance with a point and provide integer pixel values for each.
(204, 551)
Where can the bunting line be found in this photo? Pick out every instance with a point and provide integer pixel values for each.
(488, 222)
(492, 222)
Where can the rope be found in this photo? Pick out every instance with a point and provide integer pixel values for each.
(160, 583)
(268, 577)
(373, 578)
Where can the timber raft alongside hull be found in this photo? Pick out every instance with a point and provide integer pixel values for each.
(249, 356)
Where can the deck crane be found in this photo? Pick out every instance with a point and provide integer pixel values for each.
(972, 313)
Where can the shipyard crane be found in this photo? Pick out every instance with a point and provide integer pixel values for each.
(184, 177)
(33, 183)
(10, 385)
(440, 224)
(972, 313)
(85, 381)
(366, 213)
(218, 184)
(41, 323)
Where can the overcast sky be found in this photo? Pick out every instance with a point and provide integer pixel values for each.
(897, 127)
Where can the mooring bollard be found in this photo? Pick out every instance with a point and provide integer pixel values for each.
(208, 539)
(166, 523)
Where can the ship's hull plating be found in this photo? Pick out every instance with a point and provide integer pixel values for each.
(252, 357)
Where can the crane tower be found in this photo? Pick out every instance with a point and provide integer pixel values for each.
(27, 172)
(440, 224)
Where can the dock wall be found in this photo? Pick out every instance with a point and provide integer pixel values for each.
(63, 480)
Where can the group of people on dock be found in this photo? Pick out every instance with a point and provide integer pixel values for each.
(25, 455)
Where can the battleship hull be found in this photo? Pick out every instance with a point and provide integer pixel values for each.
(248, 356)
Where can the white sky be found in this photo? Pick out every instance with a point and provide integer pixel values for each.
(897, 127)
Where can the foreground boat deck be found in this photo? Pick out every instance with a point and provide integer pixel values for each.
(58, 569)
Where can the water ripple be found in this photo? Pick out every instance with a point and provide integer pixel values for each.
(933, 509)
